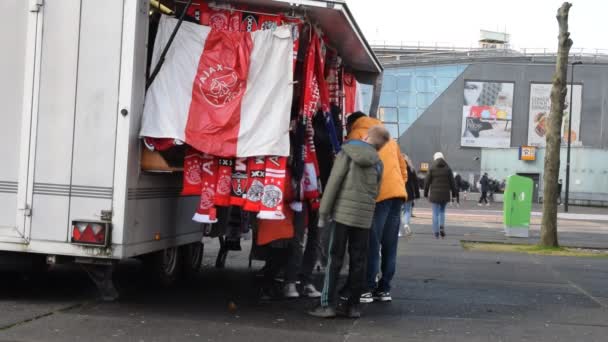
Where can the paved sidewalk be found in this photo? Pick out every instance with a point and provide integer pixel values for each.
(441, 292)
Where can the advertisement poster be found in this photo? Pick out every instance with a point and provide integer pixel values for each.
(486, 114)
(540, 106)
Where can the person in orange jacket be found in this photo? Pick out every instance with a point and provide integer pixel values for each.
(384, 234)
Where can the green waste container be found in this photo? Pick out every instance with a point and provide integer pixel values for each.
(518, 206)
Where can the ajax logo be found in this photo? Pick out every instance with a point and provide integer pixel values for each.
(219, 85)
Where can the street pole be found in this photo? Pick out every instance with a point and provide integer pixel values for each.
(569, 135)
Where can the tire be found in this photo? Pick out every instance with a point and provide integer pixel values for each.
(192, 255)
(165, 266)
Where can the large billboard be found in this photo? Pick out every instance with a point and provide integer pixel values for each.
(540, 106)
(486, 114)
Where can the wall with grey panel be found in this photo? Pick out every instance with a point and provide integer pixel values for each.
(439, 127)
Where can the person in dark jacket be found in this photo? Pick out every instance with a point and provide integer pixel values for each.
(438, 187)
(485, 186)
(458, 184)
(413, 191)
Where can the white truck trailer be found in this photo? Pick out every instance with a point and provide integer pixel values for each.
(72, 86)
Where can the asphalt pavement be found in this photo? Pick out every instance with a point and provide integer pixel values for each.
(441, 292)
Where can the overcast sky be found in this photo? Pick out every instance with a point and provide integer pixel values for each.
(531, 23)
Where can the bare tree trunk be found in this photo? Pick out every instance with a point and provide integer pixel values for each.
(558, 95)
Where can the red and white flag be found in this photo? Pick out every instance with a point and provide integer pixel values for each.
(224, 93)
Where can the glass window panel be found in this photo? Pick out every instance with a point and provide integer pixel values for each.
(403, 128)
(406, 99)
(405, 71)
(387, 114)
(407, 115)
(425, 83)
(446, 71)
(393, 130)
(429, 72)
(390, 72)
(389, 82)
(423, 100)
(404, 82)
(388, 99)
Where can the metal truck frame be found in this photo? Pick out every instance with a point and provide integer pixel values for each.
(72, 86)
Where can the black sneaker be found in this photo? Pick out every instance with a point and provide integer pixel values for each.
(442, 232)
(380, 296)
(323, 312)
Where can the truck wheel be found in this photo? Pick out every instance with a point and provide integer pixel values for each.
(192, 255)
(165, 265)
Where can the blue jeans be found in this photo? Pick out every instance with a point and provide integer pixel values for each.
(438, 216)
(407, 211)
(383, 240)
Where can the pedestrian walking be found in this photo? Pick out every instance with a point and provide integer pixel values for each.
(384, 236)
(350, 198)
(458, 184)
(413, 193)
(439, 185)
(485, 186)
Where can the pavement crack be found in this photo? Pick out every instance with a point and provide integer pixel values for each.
(37, 317)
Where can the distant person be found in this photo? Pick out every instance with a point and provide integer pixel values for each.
(484, 183)
(413, 193)
(438, 187)
(458, 184)
(350, 199)
(559, 192)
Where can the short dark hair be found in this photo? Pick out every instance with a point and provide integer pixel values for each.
(350, 120)
(378, 136)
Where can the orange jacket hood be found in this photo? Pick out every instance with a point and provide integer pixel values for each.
(394, 176)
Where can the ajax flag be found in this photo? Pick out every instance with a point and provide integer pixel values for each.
(224, 93)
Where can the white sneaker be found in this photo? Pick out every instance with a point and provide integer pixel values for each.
(487, 204)
(310, 291)
(479, 205)
(290, 291)
(403, 229)
(366, 298)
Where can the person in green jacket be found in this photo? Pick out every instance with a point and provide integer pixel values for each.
(350, 200)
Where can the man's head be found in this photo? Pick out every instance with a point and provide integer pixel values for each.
(438, 155)
(350, 120)
(377, 136)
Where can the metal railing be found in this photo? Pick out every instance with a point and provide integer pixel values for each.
(419, 52)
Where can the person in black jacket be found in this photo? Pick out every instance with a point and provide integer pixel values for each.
(413, 191)
(485, 186)
(438, 187)
(458, 184)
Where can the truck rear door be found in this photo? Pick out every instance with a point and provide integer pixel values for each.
(18, 47)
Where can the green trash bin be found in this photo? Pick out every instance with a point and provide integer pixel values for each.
(518, 206)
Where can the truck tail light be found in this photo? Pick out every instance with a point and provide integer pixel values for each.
(90, 233)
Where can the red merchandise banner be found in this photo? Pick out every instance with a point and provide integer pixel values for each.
(206, 212)
(192, 172)
(239, 182)
(224, 181)
(274, 189)
(256, 166)
(249, 22)
(350, 93)
(217, 93)
(269, 22)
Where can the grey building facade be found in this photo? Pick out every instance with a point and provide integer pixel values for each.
(439, 125)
